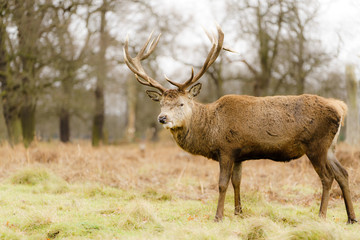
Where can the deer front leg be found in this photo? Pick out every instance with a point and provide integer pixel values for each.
(236, 181)
(226, 167)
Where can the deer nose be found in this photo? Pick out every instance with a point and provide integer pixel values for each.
(162, 119)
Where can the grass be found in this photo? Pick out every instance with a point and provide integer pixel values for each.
(76, 195)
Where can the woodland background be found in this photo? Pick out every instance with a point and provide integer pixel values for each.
(62, 74)
(63, 78)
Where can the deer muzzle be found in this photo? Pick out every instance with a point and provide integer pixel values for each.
(162, 119)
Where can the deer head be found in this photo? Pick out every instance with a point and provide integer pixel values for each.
(176, 104)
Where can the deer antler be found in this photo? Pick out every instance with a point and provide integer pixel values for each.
(212, 55)
(135, 63)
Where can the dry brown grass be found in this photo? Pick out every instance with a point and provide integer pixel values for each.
(165, 167)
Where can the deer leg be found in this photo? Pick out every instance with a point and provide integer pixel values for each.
(236, 181)
(326, 184)
(341, 177)
(326, 176)
(226, 166)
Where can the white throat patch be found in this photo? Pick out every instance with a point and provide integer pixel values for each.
(168, 125)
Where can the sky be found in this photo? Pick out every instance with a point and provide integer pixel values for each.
(341, 18)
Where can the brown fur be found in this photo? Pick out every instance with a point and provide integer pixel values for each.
(171, 94)
(238, 128)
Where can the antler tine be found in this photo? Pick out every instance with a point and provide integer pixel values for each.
(142, 50)
(135, 66)
(153, 45)
(151, 84)
(210, 59)
(192, 73)
(179, 85)
(129, 60)
(219, 45)
(210, 36)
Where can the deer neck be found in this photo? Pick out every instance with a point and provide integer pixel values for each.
(195, 137)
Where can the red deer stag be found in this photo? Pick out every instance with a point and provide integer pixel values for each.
(236, 128)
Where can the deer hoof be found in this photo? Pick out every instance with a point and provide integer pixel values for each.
(351, 221)
(238, 211)
(217, 219)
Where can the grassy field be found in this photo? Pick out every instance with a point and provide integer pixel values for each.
(157, 191)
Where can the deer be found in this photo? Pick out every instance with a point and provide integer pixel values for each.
(238, 128)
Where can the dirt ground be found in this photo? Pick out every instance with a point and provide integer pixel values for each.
(165, 167)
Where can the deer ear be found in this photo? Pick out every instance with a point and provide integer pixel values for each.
(155, 96)
(194, 90)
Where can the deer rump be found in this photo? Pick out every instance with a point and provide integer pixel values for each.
(280, 128)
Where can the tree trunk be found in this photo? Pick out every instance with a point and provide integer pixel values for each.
(352, 122)
(99, 114)
(99, 117)
(257, 87)
(299, 66)
(27, 110)
(64, 125)
(300, 88)
(13, 125)
(131, 102)
(27, 115)
(219, 88)
(9, 101)
(218, 80)
(267, 48)
(28, 35)
(64, 113)
(261, 87)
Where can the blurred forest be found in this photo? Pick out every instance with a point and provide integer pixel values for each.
(63, 77)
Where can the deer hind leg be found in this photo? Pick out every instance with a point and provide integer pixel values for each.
(341, 177)
(236, 181)
(320, 165)
(226, 167)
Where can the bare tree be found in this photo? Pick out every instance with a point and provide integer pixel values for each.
(29, 57)
(303, 53)
(131, 108)
(264, 24)
(101, 75)
(21, 79)
(353, 121)
(70, 57)
(285, 54)
(27, 20)
(9, 88)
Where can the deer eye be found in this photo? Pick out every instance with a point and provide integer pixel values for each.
(181, 104)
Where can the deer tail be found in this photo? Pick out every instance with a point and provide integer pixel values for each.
(341, 108)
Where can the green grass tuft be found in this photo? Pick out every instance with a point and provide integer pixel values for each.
(97, 190)
(139, 215)
(259, 228)
(36, 222)
(152, 194)
(33, 176)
